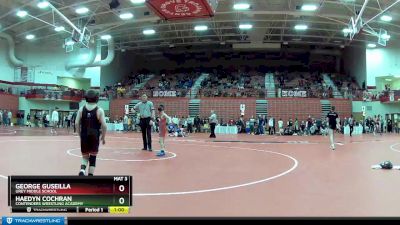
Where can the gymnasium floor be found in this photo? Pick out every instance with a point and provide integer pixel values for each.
(234, 175)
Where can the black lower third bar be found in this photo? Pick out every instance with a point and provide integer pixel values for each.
(60, 210)
(44, 209)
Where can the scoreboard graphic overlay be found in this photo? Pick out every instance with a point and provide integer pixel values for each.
(70, 194)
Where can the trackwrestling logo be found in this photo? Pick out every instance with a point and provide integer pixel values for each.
(33, 220)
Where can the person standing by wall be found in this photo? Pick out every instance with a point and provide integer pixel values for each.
(125, 123)
(280, 126)
(54, 121)
(270, 125)
(189, 122)
(389, 126)
(213, 123)
(197, 124)
(351, 124)
(252, 123)
(1, 117)
(261, 124)
(309, 125)
(28, 120)
(9, 117)
(73, 120)
(147, 118)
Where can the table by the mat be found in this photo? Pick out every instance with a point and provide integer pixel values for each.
(115, 126)
(357, 130)
(226, 129)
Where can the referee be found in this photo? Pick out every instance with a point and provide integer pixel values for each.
(147, 116)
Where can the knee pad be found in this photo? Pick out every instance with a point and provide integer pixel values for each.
(92, 160)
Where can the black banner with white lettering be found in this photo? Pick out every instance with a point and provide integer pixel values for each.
(293, 94)
(164, 93)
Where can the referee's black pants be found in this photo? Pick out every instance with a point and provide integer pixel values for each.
(212, 126)
(351, 130)
(146, 132)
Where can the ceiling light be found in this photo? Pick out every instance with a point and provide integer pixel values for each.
(22, 13)
(82, 10)
(105, 37)
(30, 36)
(388, 80)
(126, 16)
(301, 27)
(43, 4)
(59, 28)
(347, 30)
(245, 26)
(309, 7)
(371, 45)
(70, 42)
(385, 37)
(138, 1)
(241, 6)
(296, 39)
(149, 32)
(386, 18)
(200, 28)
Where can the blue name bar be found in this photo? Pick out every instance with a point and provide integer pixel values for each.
(32, 220)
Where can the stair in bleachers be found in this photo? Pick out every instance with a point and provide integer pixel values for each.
(325, 108)
(270, 85)
(141, 85)
(329, 82)
(194, 107)
(262, 107)
(196, 86)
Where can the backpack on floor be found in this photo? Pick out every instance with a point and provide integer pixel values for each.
(387, 165)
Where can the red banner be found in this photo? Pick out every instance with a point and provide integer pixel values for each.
(182, 9)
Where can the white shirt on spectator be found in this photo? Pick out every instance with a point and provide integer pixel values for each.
(280, 124)
(271, 122)
(54, 116)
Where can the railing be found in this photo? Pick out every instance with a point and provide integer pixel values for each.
(385, 96)
(72, 95)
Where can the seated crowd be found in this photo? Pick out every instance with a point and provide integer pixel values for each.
(233, 84)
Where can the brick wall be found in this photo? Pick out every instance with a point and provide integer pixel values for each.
(117, 107)
(9, 102)
(286, 108)
(173, 106)
(342, 107)
(227, 108)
